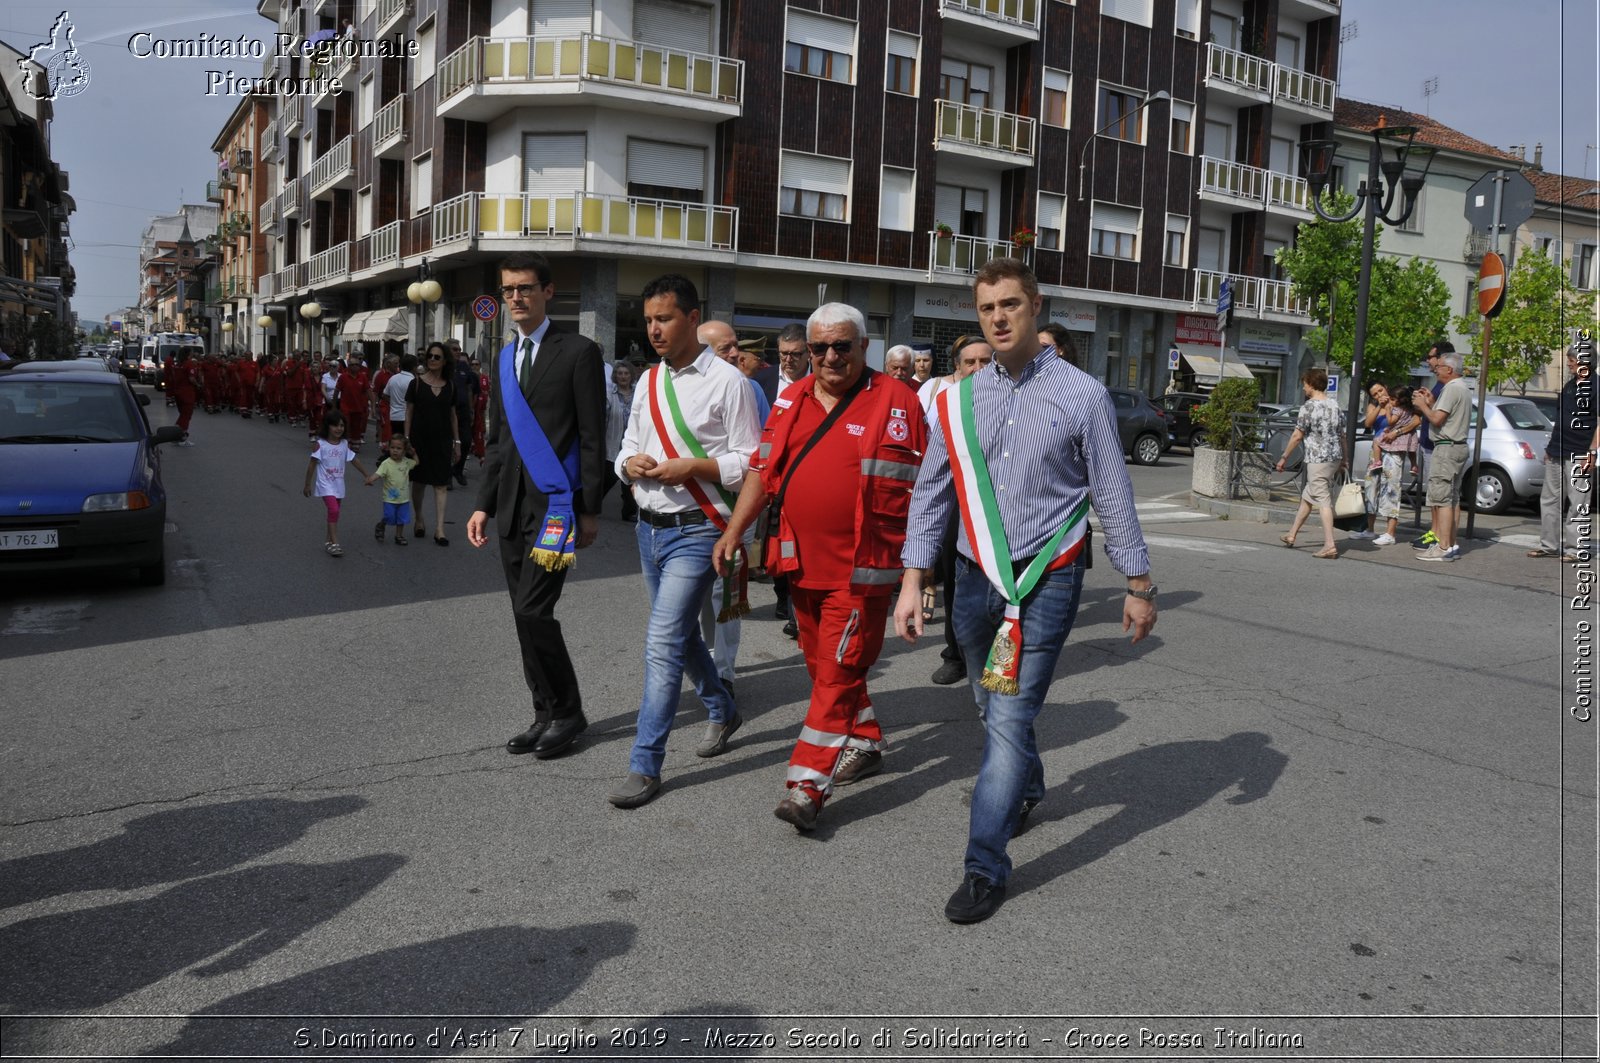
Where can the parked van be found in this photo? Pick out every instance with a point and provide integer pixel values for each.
(157, 346)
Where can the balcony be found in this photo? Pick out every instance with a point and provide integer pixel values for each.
(390, 12)
(267, 144)
(389, 133)
(487, 77)
(287, 279)
(384, 245)
(1308, 10)
(1250, 79)
(330, 265)
(1003, 22)
(333, 169)
(984, 134)
(268, 214)
(1236, 184)
(964, 254)
(213, 192)
(1261, 294)
(292, 198)
(586, 216)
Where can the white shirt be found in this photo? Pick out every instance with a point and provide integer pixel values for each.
(719, 408)
(531, 356)
(331, 458)
(395, 392)
(929, 391)
(330, 384)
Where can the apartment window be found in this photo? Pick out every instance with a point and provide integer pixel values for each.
(897, 198)
(1583, 276)
(1182, 127)
(673, 24)
(963, 209)
(1413, 222)
(1057, 98)
(820, 47)
(1114, 232)
(1052, 219)
(421, 184)
(1213, 249)
(1219, 141)
(422, 65)
(1120, 115)
(364, 211)
(1269, 254)
(364, 102)
(965, 82)
(561, 18)
(554, 163)
(1187, 21)
(901, 75)
(658, 170)
(1135, 11)
(1177, 249)
(814, 186)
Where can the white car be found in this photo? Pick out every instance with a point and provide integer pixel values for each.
(1511, 467)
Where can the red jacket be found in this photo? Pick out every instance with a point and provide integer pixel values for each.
(352, 390)
(891, 449)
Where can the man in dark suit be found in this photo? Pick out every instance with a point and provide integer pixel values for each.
(562, 377)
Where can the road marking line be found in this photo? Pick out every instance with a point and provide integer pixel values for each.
(1199, 546)
(45, 619)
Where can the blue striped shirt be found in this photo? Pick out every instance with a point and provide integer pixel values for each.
(1049, 437)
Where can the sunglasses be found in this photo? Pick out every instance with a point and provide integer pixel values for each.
(819, 350)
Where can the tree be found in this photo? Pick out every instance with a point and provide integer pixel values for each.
(1325, 256)
(1540, 305)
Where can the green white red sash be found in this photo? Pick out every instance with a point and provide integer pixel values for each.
(986, 534)
(677, 439)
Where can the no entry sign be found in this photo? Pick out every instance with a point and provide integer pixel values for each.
(485, 307)
(1491, 285)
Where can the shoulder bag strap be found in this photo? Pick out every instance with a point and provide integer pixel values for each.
(816, 437)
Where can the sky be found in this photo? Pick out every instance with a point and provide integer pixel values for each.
(137, 140)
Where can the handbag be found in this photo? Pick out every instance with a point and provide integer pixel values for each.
(1351, 501)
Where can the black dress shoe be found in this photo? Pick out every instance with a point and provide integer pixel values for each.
(562, 733)
(791, 629)
(781, 610)
(524, 742)
(975, 900)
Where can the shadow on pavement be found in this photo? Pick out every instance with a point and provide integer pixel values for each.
(87, 959)
(1153, 787)
(170, 846)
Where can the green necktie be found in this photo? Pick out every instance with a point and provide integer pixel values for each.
(525, 371)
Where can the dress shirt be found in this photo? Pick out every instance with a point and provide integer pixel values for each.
(1049, 438)
(537, 336)
(720, 410)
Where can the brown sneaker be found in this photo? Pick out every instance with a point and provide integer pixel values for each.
(856, 764)
(800, 807)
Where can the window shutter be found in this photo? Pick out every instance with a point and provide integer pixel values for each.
(896, 207)
(651, 162)
(902, 44)
(816, 173)
(1116, 219)
(553, 163)
(1136, 11)
(1052, 211)
(671, 24)
(831, 34)
(947, 205)
(560, 18)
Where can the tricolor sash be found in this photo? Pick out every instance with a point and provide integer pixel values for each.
(677, 439)
(980, 516)
(555, 545)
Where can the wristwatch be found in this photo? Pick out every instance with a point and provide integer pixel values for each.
(1146, 595)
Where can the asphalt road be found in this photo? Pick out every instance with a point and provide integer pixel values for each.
(1342, 805)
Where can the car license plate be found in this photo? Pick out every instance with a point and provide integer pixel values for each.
(38, 539)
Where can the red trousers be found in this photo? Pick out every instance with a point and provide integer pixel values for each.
(841, 635)
(355, 424)
(185, 400)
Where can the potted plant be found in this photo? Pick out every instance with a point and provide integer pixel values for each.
(1216, 416)
(942, 231)
(1024, 237)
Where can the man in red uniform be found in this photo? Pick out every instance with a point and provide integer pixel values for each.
(181, 386)
(215, 380)
(839, 454)
(380, 380)
(247, 385)
(354, 399)
(166, 378)
(272, 387)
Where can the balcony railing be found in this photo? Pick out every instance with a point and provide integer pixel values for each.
(388, 125)
(585, 215)
(287, 279)
(267, 214)
(213, 192)
(980, 127)
(1228, 66)
(292, 197)
(267, 144)
(1022, 14)
(586, 57)
(332, 167)
(1249, 293)
(267, 286)
(1251, 183)
(332, 264)
(964, 254)
(388, 10)
(384, 244)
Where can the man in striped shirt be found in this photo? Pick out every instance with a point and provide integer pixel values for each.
(1022, 447)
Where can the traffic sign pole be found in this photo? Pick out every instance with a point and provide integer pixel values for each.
(1491, 262)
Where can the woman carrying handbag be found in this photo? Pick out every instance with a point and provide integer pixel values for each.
(1321, 428)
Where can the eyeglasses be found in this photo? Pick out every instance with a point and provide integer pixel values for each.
(820, 350)
(435, 357)
(520, 290)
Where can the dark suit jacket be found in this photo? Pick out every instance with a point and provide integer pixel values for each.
(767, 377)
(568, 397)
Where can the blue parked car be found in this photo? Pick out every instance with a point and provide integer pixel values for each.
(80, 475)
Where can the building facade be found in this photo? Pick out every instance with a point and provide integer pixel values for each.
(785, 153)
(174, 255)
(36, 276)
(240, 252)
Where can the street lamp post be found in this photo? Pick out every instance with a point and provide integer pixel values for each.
(1083, 155)
(1375, 201)
(423, 290)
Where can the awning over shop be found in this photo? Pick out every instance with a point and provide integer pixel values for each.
(372, 325)
(1208, 369)
(352, 325)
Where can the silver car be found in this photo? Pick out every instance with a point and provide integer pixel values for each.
(1511, 468)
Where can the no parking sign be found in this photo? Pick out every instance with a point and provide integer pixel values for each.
(485, 307)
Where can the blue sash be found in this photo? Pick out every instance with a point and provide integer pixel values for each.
(554, 547)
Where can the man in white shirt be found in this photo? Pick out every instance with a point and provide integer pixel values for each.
(394, 392)
(684, 481)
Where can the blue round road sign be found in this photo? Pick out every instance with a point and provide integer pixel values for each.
(485, 307)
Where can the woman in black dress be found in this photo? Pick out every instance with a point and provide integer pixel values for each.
(434, 434)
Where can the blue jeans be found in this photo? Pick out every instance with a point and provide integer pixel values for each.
(677, 575)
(1011, 770)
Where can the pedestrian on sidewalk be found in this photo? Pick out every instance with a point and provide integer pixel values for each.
(686, 449)
(840, 493)
(619, 407)
(1025, 447)
(1394, 448)
(325, 473)
(1448, 416)
(1321, 427)
(395, 472)
(435, 435)
(1569, 461)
